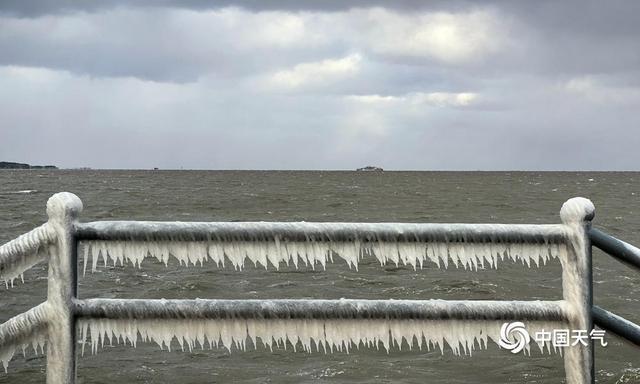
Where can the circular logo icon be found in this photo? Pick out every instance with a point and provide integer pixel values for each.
(514, 337)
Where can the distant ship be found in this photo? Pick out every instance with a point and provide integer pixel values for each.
(370, 168)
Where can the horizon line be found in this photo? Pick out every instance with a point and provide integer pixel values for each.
(317, 170)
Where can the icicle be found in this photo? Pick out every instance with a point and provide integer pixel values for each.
(18, 266)
(85, 258)
(276, 252)
(36, 341)
(328, 336)
(24, 252)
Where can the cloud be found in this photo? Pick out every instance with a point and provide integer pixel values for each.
(289, 84)
(454, 38)
(181, 45)
(156, 43)
(436, 99)
(594, 90)
(316, 73)
(36, 8)
(462, 99)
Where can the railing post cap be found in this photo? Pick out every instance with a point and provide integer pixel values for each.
(577, 210)
(64, 205)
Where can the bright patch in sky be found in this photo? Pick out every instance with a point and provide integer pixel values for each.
(369, 84)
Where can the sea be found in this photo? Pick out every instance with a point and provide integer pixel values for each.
(416, 197)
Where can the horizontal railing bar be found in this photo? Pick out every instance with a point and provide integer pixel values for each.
(320, 309)
(622, 251)
(303, 231)
(25, 245)
(19, 328)
(616, 324)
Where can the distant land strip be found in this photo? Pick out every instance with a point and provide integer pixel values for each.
(10, 165)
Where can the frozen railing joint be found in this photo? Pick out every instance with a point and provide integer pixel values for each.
(24, 252)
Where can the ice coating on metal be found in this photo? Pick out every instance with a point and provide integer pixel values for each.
(64, 205)
(472, 246)
(27, 250)
(36, 343)
(576, 210)
(577, 290)
(24, 252)
(328, 336)
(312, 254)
(23, 331)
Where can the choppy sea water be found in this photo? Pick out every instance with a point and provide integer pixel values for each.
(496, 197)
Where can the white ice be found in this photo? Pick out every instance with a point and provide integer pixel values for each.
(24, 252)
(36, 342)
(317, 253)
(17, 268)
(461, 337)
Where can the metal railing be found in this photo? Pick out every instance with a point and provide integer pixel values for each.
(629, 255)
(62, 235)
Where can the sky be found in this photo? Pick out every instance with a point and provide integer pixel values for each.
(404, 85)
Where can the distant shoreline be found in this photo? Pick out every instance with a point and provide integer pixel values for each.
(23, 166)
(12, 165)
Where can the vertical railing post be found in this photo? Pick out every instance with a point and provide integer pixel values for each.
(577, 287)
(63, 210)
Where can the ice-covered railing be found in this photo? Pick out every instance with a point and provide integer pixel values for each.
(311, 325)
(23, 331)
(314, 244)
(24, 252)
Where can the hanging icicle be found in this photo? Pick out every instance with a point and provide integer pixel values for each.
(36, 343)
(313, 253)
(310, 335)
(27, 330)
(24, 252)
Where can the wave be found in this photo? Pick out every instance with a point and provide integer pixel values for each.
(23, 192)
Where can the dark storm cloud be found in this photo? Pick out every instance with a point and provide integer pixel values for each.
(546, 37)
(323, 84)
(35, 8)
